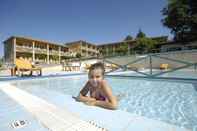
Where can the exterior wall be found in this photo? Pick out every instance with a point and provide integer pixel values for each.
(178, 46)
(75, 48)
(9, 51)
(83, 48)
(112, 48)
(172, 47)
(89, 49)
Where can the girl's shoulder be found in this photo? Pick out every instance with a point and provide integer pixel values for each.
(104, 84)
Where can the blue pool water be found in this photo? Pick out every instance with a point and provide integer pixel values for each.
(171, 102)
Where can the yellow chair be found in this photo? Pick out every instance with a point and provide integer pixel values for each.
(114, 66)
(87, 66)
(164, 66)
(24, 66)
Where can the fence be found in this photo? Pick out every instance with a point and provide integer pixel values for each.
(168, 65)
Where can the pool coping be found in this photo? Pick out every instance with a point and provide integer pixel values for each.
(16, 78)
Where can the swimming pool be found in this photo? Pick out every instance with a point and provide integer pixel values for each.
(171, 102)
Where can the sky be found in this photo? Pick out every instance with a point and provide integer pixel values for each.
(95, 21)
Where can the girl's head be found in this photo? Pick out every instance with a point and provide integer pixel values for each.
(96, 73)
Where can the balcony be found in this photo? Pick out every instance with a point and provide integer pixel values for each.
(53, 52)
(23, 49)
(90, 49)
(40, 51)
(65, 54)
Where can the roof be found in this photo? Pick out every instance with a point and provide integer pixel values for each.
(72, 42)
(79, 41)
(82, 41)
(31, 39)
(119, 42)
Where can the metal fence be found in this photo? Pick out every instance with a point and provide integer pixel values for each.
(168, 65)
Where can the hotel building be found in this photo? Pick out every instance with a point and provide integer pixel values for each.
(85, 49)
(34, 50)
(111, 49)
(126, 47)
(48, 52)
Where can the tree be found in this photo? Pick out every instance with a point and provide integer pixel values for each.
(1, 62)
(128, 37)
(181, 17)
(103, 52)
(78, 55)
(41, 56)
(140, 34)
(193, 5)
(144, 45)
(122, 49)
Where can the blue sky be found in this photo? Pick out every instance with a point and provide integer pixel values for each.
(96, 21)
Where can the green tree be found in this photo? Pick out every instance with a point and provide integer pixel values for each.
(193, 6)
(103, 52)
(128, 37)
(78, 55)
(181, 17)
(122, 49)
(144, 45)
(1, 62)
(41, 56)
(140, 34)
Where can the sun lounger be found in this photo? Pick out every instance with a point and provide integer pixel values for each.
(24, 66)
(87, 66)
(164, 66)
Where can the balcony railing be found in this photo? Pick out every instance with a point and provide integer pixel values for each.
(27, 49)
(66, 54)
(23, 49)
(53, 52)
(41, 51)
(89, 49)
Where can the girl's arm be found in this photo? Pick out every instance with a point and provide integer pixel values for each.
(112, 102)
(82, 94)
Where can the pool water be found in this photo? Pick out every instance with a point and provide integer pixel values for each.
(171, 102)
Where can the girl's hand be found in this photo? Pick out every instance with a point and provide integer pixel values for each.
(76, 98)
(91, 99)
(91, 103)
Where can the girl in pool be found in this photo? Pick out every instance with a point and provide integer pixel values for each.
(100, 93)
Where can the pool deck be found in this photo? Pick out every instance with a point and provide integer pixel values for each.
(49, 115)
(59, 112)
(5, 75)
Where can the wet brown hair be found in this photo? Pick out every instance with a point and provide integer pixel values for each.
(98, 65)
